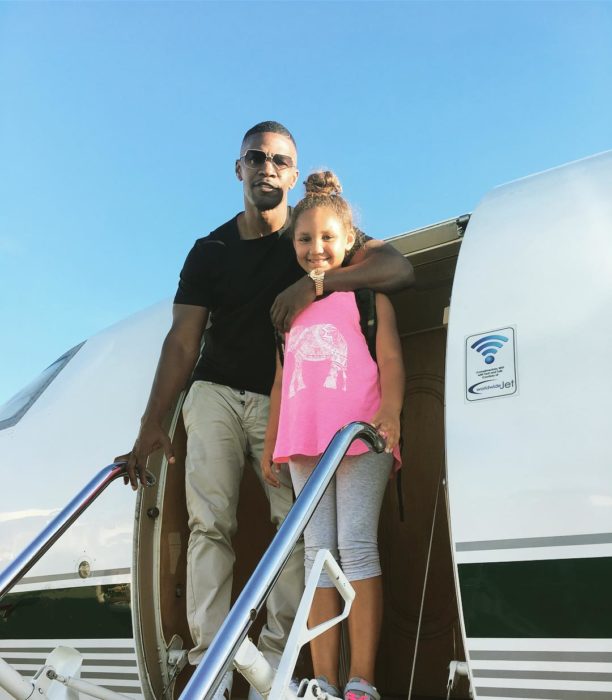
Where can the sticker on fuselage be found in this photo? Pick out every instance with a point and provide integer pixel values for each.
(490, 364)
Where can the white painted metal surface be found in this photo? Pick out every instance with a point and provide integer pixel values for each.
(529, 471)
(88, 414)
(537, 255)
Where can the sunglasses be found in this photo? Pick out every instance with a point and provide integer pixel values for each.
(254, 158)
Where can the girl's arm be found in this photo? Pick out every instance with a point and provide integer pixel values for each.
(268, 467)
(391, 370)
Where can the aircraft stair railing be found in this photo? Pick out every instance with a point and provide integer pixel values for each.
(64, 663)
(225, 646)
(60, 523)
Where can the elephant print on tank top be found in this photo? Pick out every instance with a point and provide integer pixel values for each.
(317, 344)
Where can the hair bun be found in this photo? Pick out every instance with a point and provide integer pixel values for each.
(323, 182)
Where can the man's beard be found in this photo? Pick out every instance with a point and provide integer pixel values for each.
(270, 201)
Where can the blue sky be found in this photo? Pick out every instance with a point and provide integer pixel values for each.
(120, 123)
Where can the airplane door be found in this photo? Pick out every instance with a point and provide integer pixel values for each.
(528, 435)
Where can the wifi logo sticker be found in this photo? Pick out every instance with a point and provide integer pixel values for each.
(496, 376)
(488, 346)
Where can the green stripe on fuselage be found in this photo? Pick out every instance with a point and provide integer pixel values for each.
(547, 598)
(81, 612)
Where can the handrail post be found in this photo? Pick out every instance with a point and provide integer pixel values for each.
(24, 561)
(232, 632)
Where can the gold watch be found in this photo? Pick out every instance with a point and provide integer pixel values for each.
(317, 276)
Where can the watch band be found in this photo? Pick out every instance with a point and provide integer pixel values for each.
(317, 276)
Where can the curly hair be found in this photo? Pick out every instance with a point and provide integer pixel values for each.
(323, 189)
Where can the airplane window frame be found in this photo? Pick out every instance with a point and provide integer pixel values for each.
(34, 394)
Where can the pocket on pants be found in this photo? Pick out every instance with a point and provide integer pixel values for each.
(188, 402)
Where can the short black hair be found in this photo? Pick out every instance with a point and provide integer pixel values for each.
(270, 127)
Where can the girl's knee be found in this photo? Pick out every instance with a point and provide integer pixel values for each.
(359, 562)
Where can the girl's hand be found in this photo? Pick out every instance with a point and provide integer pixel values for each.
(270, 469)
(387, 424)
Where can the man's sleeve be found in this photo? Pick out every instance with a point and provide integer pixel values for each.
(201, 270)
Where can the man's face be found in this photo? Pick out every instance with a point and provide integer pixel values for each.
(266, 185)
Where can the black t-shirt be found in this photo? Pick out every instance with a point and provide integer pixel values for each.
(237, 281)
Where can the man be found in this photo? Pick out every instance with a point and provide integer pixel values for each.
(235, 276)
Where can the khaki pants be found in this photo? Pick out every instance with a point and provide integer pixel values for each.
(223, 426)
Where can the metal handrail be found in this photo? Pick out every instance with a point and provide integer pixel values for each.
(221, 652)
(60, 523)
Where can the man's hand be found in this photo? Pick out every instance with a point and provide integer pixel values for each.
(289, 303)
(151, 437)
(387, 424)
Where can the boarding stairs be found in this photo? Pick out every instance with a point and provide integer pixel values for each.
(58, 678)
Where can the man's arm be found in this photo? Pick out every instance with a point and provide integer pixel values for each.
(378, 266)
(179, 354)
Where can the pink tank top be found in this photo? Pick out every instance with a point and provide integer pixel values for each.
(329, 378)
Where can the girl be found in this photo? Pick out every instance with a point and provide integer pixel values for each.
(329, 379)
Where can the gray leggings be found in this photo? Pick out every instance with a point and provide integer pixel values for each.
(346, 519)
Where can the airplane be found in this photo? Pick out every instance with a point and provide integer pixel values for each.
(501, 568)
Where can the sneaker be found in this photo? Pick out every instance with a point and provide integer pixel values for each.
(360, 689)
(327, 687)
(224, 690)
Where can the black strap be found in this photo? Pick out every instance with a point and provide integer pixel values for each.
(398, 477)
(366, 305)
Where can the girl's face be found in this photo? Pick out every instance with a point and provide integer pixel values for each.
(320, 239)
